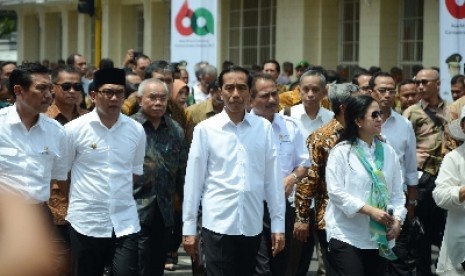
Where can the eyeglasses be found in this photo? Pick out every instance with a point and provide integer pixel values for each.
(109, 93)
(376, 114)
(66, 86)
(383, 90)
(423, 81)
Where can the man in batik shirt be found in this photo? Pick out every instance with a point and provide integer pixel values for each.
(164, 170)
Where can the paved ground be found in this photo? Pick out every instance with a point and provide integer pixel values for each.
(184, 266)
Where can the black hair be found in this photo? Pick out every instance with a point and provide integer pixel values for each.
(234, 68)
(106, 63)
(457, 79)
(22, 75)
(70, 59)
(359, 72)
(278, 67)
(67, 68)
(372, 84)
(159, 66)
(256, 77)
(356, 108)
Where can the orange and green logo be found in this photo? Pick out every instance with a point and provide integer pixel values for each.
(201, 15)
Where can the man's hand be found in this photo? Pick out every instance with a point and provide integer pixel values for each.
(277, 243)
(378, 215)
(301, 231)
(190, 245)
(129, 56)
(289, 182)
(394, 231)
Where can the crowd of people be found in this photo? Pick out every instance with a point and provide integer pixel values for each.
(250, 171)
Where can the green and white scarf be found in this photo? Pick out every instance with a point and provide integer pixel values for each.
(379, 196)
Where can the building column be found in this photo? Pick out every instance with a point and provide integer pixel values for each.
(431, 33)
(28, 37)
(112, 35)
(69, 30)
(49, 36)
(379, 33)
(291, 31)
(156, 30)
(84, 37)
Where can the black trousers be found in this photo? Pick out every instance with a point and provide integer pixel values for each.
(153, 245)
(351, 261)
(229, 255)
(307, 249)
(266, 263)
(402, 266)
(433, 219)
(92, 254)
(322, 241)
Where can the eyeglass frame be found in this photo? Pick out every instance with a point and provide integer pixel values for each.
(119, 94)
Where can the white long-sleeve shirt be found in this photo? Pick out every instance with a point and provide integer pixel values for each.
(451, 178)
(232, 169)
(400, 135)
(102, 163)
(349, 186)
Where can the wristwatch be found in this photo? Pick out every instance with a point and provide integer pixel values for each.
(412, 202)
(297, 179)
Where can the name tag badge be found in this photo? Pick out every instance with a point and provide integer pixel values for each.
(8, 151)
(284, 138)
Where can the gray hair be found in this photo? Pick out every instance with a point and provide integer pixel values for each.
(314, 73)
(209, 70)
(339, 94)
(144, 83)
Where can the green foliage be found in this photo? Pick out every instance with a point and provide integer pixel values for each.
(7, 23)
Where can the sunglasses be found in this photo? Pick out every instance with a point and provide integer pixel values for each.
(376, 114)
(423, 82)
(67, 86)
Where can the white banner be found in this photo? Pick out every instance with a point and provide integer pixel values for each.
(194, 30)
(452, 42)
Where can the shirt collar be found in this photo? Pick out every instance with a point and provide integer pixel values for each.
(13, 118)
(53, 111)
(224, 118)
(94, 117)
(142, 119)
(424, 105)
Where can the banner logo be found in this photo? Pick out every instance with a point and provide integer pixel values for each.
(456, 10)
(194, 18)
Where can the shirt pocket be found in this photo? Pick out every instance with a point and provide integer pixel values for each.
(285, 149)
(94, 156)
(40, 163)
(9, 160)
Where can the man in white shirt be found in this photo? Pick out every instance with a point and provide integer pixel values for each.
(232, 167)
(205, 76)
(399, 133)
(293, 157)
(310, 113)
(106, 150)
(311, 116)
(31, 144)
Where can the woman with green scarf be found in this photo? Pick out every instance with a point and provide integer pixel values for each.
(366, 200)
